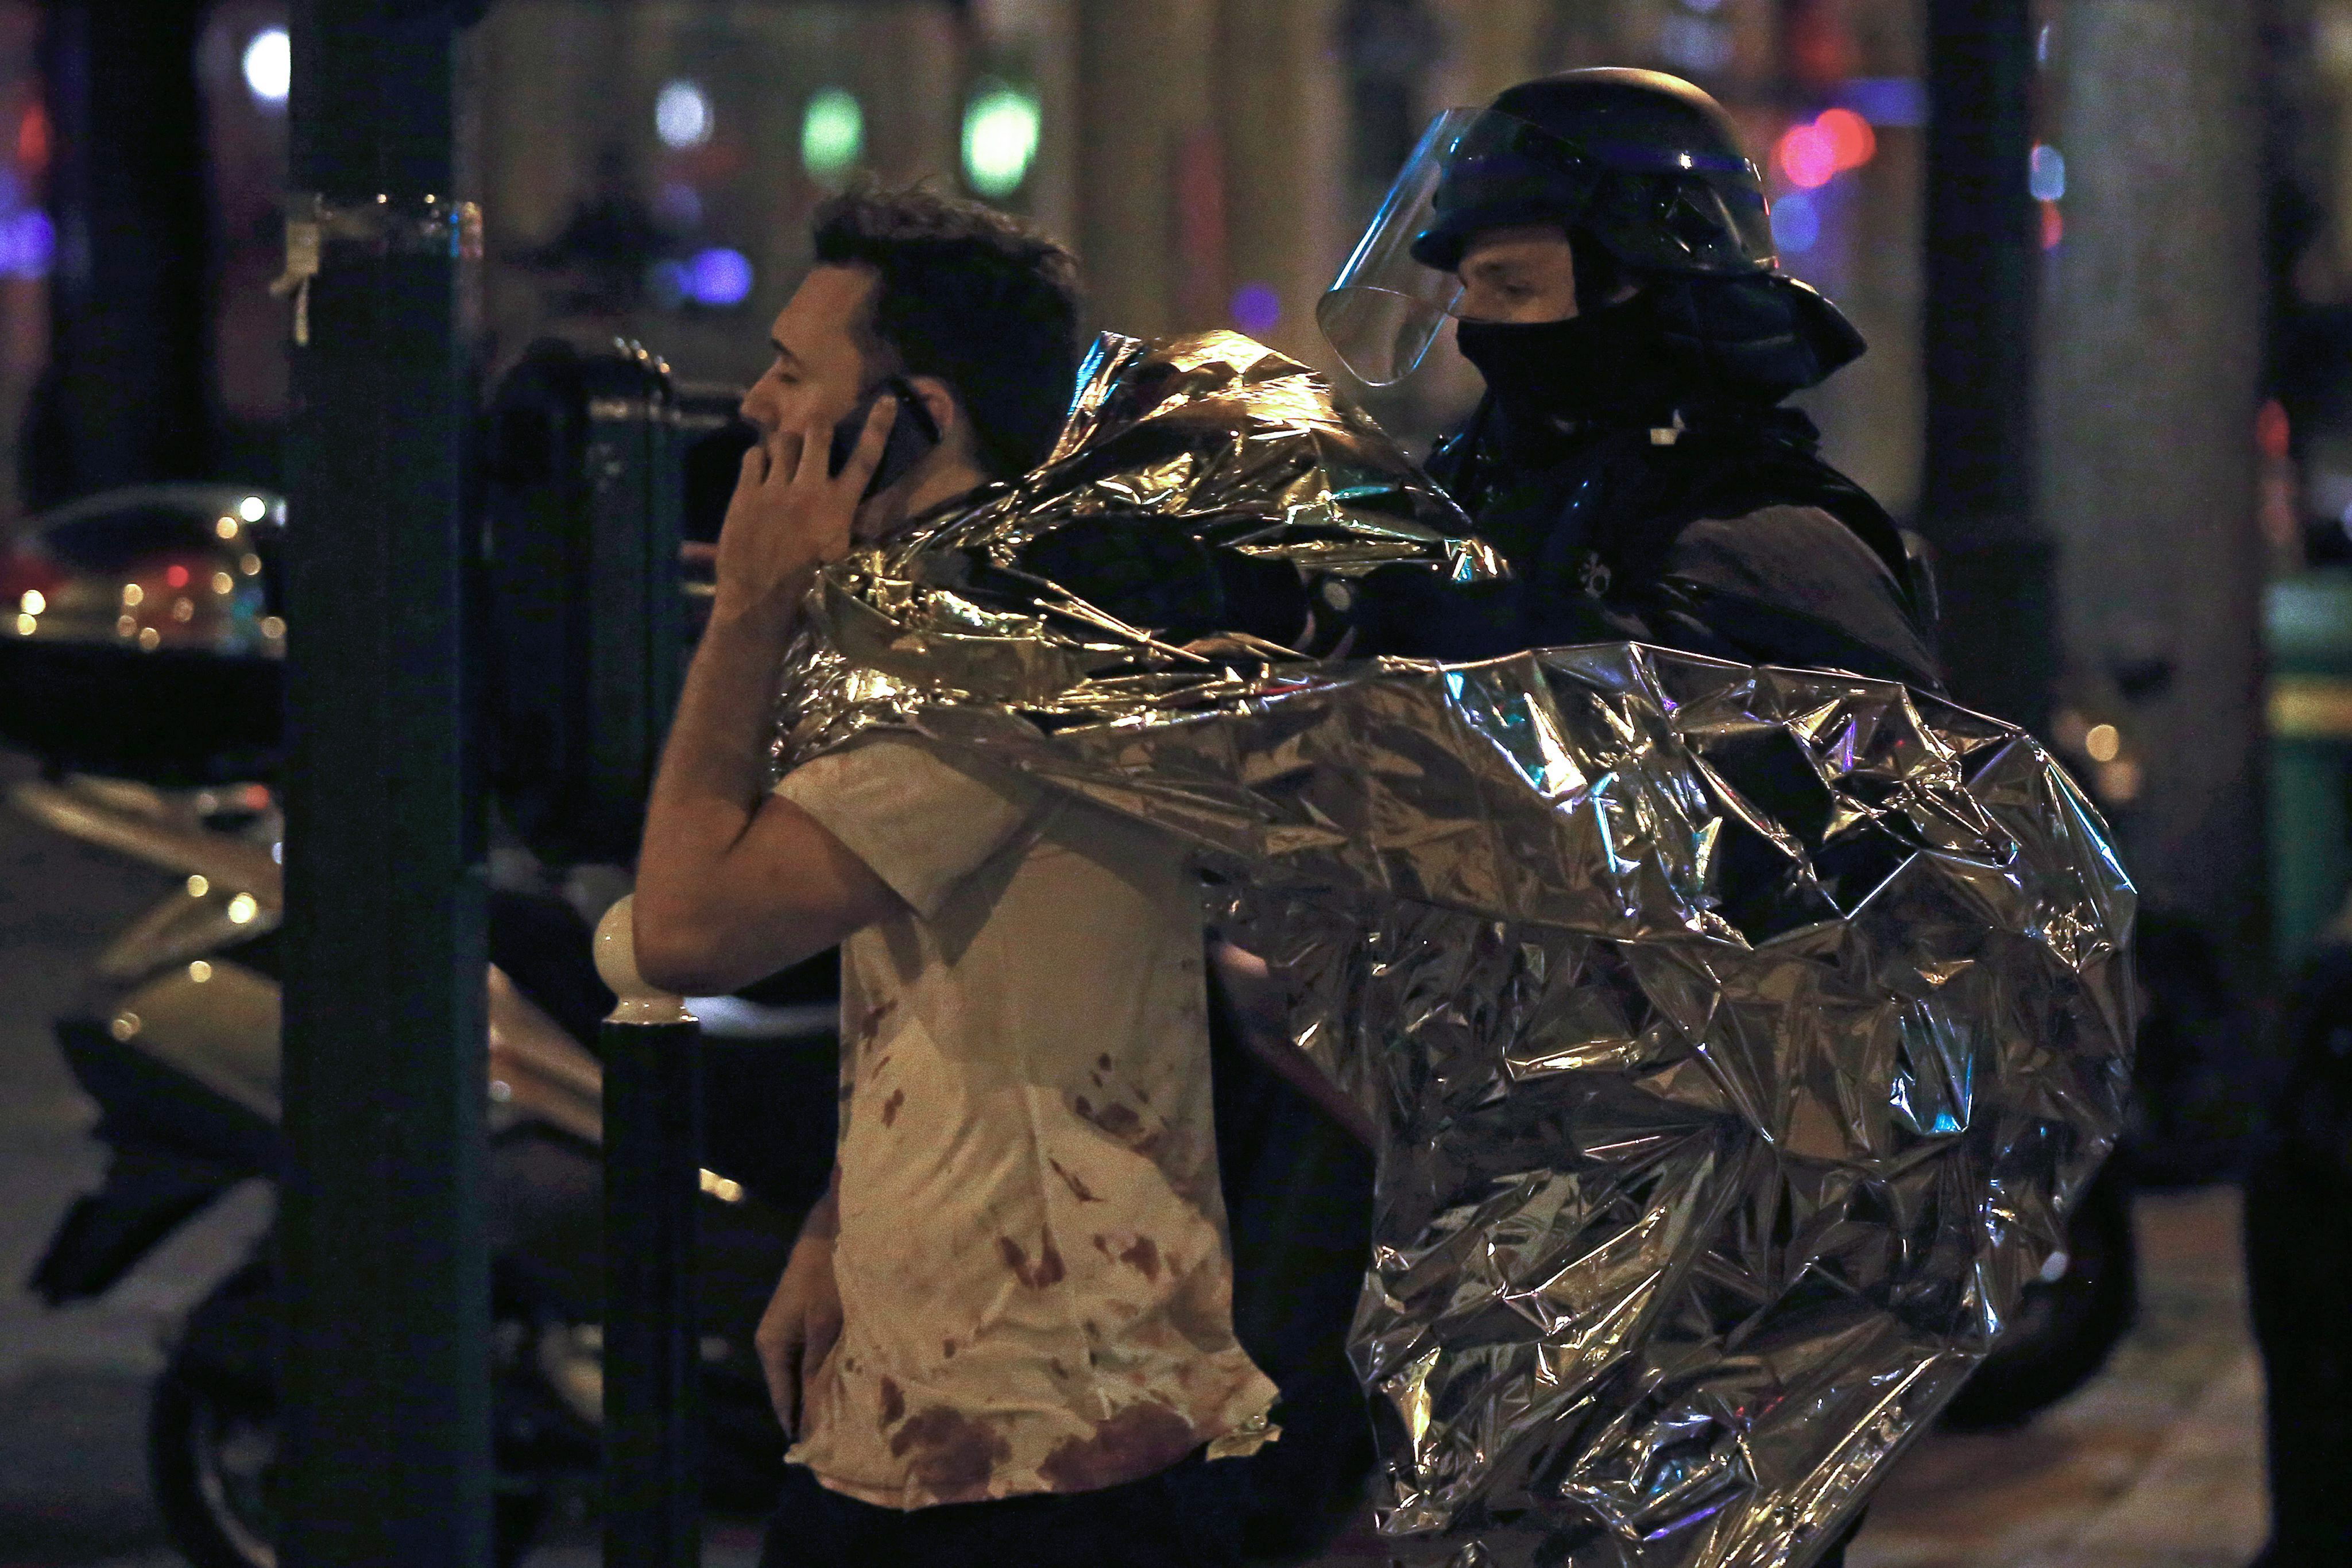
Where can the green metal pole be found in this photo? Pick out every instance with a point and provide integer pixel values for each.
(388, 1458)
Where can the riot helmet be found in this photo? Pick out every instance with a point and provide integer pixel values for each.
(1645, 166)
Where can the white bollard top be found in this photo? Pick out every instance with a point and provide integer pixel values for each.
(616, 965)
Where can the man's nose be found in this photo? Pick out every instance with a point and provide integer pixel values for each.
(758, 406)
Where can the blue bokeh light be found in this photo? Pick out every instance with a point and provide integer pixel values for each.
(1888, 103)
(1796, 224)
(28, 244)
(719, 276)
(1257, 308)
(2046, 174)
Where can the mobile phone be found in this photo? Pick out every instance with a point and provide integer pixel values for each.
(912, 433)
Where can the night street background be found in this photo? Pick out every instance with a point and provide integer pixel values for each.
(2101, 251)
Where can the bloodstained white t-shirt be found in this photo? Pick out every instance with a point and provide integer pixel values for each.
(1035, 1282)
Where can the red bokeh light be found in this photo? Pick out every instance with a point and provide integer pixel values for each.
(2053, 225)
(2271, 433)
(1852, 141)
(32, 138)
(176, 576)
(1808, 157)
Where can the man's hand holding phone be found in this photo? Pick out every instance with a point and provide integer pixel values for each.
(792, 513)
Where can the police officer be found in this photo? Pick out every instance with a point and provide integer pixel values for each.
(1603, 245)
(1605, 248)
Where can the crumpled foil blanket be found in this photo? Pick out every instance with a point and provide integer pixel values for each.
(1738, 1037)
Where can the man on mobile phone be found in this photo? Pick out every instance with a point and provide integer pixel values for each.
(1006, 1334)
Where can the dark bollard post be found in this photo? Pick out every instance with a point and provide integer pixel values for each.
(653, 1165)
(387, 1455)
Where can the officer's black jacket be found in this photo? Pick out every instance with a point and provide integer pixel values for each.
(1723, 533)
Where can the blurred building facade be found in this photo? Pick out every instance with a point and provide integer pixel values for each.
(647, 168)
(1212, 160)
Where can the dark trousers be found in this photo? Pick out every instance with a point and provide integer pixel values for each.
(2299, 1262)
(1177, 1519)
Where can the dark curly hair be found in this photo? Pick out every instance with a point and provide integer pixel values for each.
(971, 296)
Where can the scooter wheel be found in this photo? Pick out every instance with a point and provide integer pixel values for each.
(213, 1442)
(212, 1453)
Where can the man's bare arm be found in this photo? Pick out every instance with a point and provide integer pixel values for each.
(734, 884)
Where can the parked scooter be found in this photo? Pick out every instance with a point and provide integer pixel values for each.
(177, 1041)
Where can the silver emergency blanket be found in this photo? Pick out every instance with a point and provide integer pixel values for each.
(1738, 1037)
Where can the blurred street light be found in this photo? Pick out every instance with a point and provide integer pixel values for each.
(2046, 174)
(1796, 223)
(269, 67)
(833, 134)
(1000, 139)
(682, 115)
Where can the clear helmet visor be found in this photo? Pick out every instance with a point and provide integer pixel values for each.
(1476, 169)
(1384, 310)
(1472, 168)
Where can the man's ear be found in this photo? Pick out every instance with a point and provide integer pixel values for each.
(946, 409)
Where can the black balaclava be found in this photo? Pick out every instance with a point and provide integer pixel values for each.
(1679, 344)
(1607, 366)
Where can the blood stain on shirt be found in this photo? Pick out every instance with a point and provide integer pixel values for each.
(870, 1029)
(1046, 1271)
(1143, 1257)
(948, 1450)
(948, 1349)
(1078, 1188)
(1139, 1441)
(1121, 1122)
(893, 1402)
(890, 1107)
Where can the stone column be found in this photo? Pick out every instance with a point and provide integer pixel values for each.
(1150, 164)
(1282, 106)
(2152, 345)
